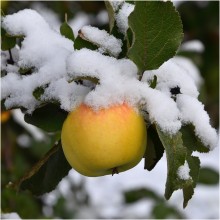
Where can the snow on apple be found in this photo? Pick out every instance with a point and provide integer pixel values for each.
(57, 67)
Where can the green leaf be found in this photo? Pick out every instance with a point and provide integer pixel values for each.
(26, 71)
(176, 155)
(191, 141)
(157, 33)
(67, 31)
(49, 118)
(7, 42)
(80, 43)
(154, 82)
(38, 92)
(208, 176)
(154, 150)
(47, 173)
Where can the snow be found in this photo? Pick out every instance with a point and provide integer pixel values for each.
(102, 17)
(122, 10)
(50, 17)
(181, 72)
(69, 95)
(183, 171)
(192, 111)
(189, 68)
(116, 4)
(86, 62)
(24, 140)
(193, 45)
(12, 215)
(107, 42)
(122, 17)
(36, 132)
(172, 74)
(42, 48)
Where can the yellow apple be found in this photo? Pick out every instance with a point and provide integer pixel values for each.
(103, 142)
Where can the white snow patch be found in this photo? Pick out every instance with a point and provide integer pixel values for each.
(172, 74)
(36, 133)
(24, 140)
(103, 39)
(193, 45)
(190, 68)
(183, 172)
(122, 17)
(102, 17)
(116, 4)
(12, 215)
(49, 15)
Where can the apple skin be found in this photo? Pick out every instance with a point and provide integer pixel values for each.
(107, 141)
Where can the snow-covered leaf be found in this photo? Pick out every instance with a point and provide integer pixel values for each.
(155, 40)
(105, 41)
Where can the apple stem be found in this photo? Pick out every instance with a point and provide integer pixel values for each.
(114, 171)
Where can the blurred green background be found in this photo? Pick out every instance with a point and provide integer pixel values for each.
(20, 150)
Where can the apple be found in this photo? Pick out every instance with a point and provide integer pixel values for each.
(106, 141)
